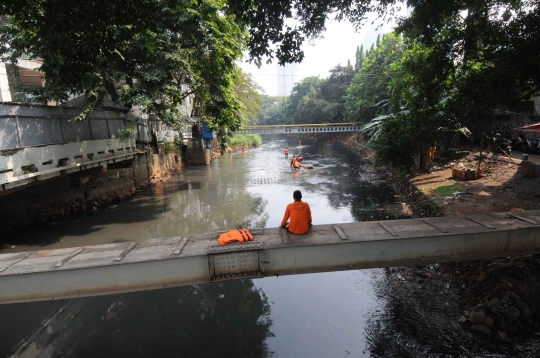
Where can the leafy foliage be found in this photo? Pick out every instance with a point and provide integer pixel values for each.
(247, 139)
(154, 53)
(313, 100)
(370, 90)
(272, 110)
(247, 91)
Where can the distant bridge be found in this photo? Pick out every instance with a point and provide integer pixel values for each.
(301, 128)
(194, 259)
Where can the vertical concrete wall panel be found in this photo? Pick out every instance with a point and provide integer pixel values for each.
(76, 132)
(39, 131)
(8, 133)
(115, 127)
(99, 129)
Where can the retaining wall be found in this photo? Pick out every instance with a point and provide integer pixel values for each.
(84, 190)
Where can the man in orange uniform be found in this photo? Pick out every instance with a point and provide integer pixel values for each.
(295, 163)
(299, 214)
(286, 152)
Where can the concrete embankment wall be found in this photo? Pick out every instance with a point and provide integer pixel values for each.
(84, 190)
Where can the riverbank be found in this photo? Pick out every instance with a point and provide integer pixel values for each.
(469, 308)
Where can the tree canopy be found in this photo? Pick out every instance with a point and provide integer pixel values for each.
(247, 91)
(460, 57)
(153, 53)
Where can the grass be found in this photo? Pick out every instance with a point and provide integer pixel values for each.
(446, 190)
(247, 139)
(168, 147)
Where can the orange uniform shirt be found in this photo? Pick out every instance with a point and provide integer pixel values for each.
(300, 217)
(286, 151)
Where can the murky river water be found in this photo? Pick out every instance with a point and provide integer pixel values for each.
(316, 315)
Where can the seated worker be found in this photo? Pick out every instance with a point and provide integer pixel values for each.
(299, 214)
(299, 159)
(295, 163)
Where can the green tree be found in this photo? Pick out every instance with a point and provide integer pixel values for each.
(272, 110)
(301, 92)
(328, 104)
(370, 90)
(247, 91)
(359, 57)
(462, 59)
(153, 54)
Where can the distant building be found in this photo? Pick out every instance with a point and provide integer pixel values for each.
(23, 75)
(285, 78)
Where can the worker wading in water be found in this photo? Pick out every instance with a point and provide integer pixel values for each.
(299, 215)
(295, 163)
(287, 152)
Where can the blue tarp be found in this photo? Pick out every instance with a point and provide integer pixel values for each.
(206, 132)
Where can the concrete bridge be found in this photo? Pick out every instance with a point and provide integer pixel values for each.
(301, 128)
(194, 259)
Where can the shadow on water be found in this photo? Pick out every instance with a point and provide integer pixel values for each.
(212, 320)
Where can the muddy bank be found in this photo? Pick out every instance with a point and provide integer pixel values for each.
(488, 307)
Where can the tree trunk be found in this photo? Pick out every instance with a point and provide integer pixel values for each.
(111, 90)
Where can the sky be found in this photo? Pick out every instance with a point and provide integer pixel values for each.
(337, 45)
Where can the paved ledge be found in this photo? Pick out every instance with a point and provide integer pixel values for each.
(177, 261)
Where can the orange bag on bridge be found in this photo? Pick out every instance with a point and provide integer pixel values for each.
(240, 235)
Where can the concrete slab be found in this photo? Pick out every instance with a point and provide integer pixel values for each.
(175, 261)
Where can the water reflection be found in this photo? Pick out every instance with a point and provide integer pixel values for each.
(318, 315)
(213, 320)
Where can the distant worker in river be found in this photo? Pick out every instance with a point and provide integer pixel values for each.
(357, 137)
(243, 148)
(286, 152)
(299, 214)
(299, 142)
(295, 163)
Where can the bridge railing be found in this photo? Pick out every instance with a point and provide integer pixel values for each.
(302, 128)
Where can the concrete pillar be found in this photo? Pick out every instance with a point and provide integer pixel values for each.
(5, 94)
(196, 153)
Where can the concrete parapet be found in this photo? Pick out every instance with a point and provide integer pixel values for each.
(68, 193)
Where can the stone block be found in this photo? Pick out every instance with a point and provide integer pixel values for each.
(481, 330)
(477, 317)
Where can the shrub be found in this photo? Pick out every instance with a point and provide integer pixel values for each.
(247, 139)
(168, 147)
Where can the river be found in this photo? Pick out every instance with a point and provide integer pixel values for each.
(314, 315)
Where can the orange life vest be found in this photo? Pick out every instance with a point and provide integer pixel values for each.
(240, 235)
